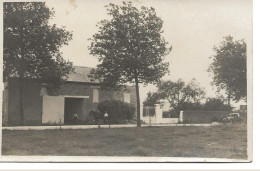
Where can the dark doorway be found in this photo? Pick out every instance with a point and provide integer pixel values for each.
(73, 107)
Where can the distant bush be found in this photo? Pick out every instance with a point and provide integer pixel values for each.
(189, 106)
(118, 111)
(214, 104)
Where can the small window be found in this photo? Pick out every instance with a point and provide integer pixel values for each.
(95, 95)
(127, 97)
(43, 91)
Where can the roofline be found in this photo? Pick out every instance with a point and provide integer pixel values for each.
(66, 81)
(81, 82)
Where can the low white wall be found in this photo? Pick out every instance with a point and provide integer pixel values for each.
(147, 120)
(168, 120)
(159, 121)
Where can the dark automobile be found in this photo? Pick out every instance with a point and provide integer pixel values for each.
(233, 117)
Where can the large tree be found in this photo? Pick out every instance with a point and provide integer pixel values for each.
(229, 68)
(31, 45)
(130, 47)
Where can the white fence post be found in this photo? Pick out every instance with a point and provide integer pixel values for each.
(181, 116)
(158, 113)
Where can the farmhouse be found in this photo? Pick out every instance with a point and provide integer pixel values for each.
(78, 95)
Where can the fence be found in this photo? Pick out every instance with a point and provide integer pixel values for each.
(148, 111)
(207, 116)
(171, 114)
(156, 115)
(148, 115)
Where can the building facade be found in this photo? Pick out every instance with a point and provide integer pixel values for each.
(78, 95)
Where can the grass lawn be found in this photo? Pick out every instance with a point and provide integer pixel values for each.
(226, 141)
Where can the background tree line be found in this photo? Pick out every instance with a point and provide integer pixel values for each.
(184, 96)
(229, 72)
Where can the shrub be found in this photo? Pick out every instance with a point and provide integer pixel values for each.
(189, 106)
(118, 111)
(214, 104)
(94, 117)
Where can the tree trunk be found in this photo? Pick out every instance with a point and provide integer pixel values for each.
(137, 100)
(21, 102)
(229, 106)
(21, 71)
(229, 89)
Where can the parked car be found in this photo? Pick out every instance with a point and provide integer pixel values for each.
(233, 117)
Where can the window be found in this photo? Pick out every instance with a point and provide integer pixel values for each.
(127, 97)
(43, 91)
(95, 95)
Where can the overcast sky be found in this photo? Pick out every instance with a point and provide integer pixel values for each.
(192, 27)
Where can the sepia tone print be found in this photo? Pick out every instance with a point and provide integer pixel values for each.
(124, 79)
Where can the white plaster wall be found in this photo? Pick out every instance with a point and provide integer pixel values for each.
(127, 97)
(181, 116)
(147, 120)
(52, 109)
(155, 120)
(95, 95)
(168, 120)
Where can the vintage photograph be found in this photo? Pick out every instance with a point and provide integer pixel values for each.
(127, 81)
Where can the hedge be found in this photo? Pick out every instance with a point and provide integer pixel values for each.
(118, 111)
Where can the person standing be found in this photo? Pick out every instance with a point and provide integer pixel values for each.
(106, 119)
(75, 118)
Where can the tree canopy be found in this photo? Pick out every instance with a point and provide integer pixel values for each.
(172, 91)
(180, 95)
(229, 68)
(31, 44)
(193, 92)
(152, 99)
(130, 47)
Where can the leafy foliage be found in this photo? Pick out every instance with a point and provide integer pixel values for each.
(152, 98)
(31, 45)
(117, 110)
(130, 47)
(180, 95)
(185, 105)
(192, 92)
(229, 68)
(172, 91)
(94, 117)
(215, 104)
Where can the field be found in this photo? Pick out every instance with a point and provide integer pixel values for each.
(225, 141)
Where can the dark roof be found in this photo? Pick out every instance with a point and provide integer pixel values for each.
(80, 74)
